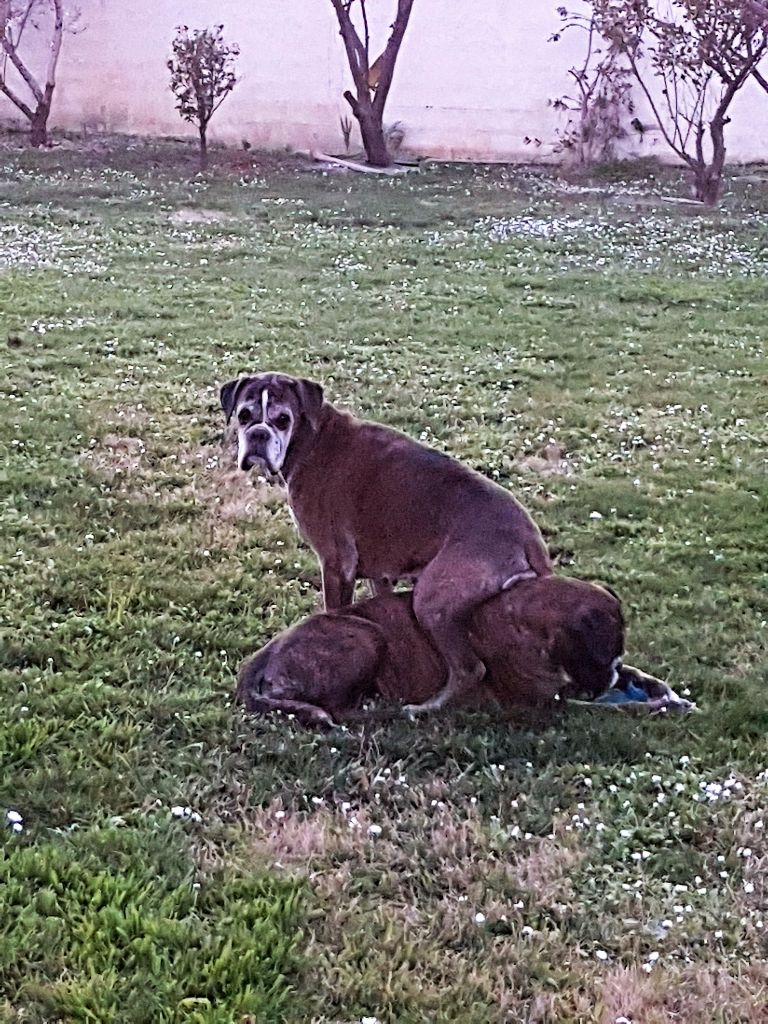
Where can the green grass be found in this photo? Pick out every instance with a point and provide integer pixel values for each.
(459, 871)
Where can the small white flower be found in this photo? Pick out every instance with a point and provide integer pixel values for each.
(601, 954)
(186, 813)
(479, 918)
(595, 515)
(374, 830)
(369, 1020)
(749, 887)
(14, 817)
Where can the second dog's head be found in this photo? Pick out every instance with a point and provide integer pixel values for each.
(271, 410)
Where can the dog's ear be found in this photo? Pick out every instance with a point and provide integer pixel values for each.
(311, 399)
(228, 395)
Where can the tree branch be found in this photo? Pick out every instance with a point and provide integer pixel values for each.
(670, 140)
(17, 101)
(14, 58)
(758, 9)
(389, 56)
(53, 57)
(355, 52)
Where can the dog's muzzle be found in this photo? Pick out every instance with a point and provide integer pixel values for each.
(260, 445)
(254, 447)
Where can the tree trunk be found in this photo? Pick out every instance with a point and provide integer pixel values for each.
(368, 110)
(371, 130)
(708, 178)
(203, 147)
(706, 185)
(38, 135)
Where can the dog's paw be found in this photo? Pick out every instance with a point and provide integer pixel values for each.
(414, 711)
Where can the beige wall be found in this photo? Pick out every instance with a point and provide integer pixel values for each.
(473, 79)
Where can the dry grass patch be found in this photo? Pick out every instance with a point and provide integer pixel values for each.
(394, 888)
(751, 899)
(189, 215)
(552, 460)
(708, 993)
(548, 867)
(207, 475)
(115, 456)
(228, 494)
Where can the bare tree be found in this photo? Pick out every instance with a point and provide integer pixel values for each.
(701, 52)
(202, 76)
(35, 100)
(602, 97)
(372, 80)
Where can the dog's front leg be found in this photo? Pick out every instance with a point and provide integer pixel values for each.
(338, 587)
(339, 573)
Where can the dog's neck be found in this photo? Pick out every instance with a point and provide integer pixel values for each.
(302, 446)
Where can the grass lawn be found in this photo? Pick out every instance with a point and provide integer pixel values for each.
(168, 860)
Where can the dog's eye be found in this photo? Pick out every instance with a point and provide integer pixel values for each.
(244, 416)
(283, 421)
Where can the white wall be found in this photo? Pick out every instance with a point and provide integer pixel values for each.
(473, 79)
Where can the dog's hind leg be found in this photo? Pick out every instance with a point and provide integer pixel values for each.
(316, 671)
(306, 714)
(444, 599)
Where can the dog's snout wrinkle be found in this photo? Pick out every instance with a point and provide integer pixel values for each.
(259, 430)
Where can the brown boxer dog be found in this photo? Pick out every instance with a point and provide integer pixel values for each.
(543, 638)
(377, 505)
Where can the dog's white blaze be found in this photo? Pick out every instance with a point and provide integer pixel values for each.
(242, 447)
(275, 452)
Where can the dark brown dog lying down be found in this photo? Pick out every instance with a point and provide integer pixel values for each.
(543, 638)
